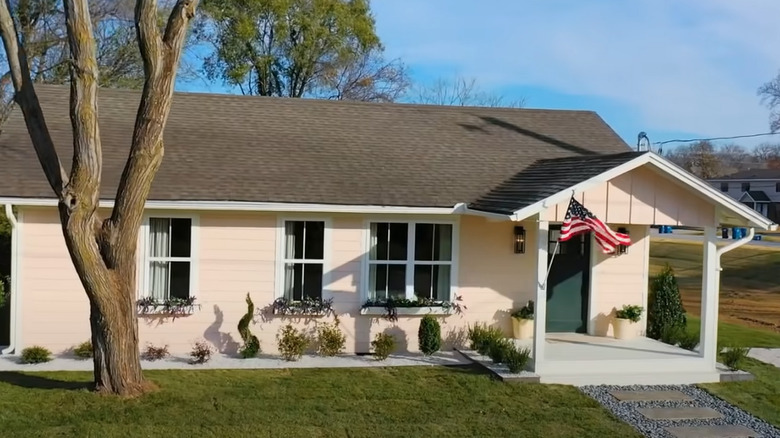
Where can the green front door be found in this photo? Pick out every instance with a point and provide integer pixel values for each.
(567, 284)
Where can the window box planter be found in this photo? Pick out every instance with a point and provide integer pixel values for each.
(172, 307)
(309, 308)
(407, 311)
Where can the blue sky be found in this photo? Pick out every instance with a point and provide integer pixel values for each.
(670, 68)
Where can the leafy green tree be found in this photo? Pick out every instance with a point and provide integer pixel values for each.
(297, 48)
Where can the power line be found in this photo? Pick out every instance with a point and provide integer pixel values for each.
(689, 140)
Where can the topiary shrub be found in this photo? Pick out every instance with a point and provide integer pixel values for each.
(35, 354)
(331, 339)
(201, 352)
(516, 358)
(734, 356)
(665, 312)
(251, 347)
(383, 344)
(291, 342)
(83, 350)
(429, 335)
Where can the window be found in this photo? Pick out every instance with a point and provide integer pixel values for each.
(303, 259)
(169, 258)
(745, 187)
(410, 260)
(724, 187)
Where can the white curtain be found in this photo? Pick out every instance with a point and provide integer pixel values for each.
(444, 233)
(289, 251)
(159, 246)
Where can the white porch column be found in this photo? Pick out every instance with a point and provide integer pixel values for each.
(709, 298)
(540, 311)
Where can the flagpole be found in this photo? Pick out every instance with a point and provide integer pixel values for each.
(549, 267)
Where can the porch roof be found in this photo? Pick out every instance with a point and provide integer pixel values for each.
(549, 182)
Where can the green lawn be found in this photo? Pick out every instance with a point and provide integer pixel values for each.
(366, 402)
(740, 336)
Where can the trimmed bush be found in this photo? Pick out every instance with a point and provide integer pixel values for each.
(516, 358)
(481, 337)
(499, 349)
(35, 354)
(153, 353)
(84, 350)
(733, 357)
(688, 339)
(665, 312)
(429, 335)
(201, 352)
(383, 344)
(291, 342)
(251, 347)
(331, 339)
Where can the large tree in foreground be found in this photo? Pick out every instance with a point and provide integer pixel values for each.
(103, 249)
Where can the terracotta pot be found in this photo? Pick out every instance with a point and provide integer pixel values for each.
(522, 328)
(624, 329)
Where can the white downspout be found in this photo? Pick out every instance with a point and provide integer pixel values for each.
(734, 245)
(14, 293)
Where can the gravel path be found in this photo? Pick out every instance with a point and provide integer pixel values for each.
(627, 410)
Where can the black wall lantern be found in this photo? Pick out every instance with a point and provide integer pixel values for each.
(622, 249)
(519, 240)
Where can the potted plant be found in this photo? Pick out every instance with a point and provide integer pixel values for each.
(624, 320)
(523, 321)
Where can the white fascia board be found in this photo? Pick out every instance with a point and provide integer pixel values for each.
(753, 218)
(249, 206)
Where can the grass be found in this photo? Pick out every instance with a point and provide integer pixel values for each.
(761, 396)
(375, 402)
(733, 334)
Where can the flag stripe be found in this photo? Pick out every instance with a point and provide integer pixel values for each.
(579, 220)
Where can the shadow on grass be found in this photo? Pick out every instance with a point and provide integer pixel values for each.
(40, 382)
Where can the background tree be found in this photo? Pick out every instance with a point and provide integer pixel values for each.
(299, 48)
(461, 92)
(770, 95)
(103, 251)
(700, 158)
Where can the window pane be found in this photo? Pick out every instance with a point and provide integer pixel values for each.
(377, 282)
(158, 280)
(315, 239)
(396, 281)
(423, 276)
(389, 241)
(387, 281)
(433, 242)
(423, 242)
(441, 282)
(181, 236)
(432, 282)
(293, 231)
(442, 242)
(312, 280)
(180, 280)
(159, 237)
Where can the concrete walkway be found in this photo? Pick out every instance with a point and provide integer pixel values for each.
(766, 355)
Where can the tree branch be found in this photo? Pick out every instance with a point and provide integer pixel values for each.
(27, 100)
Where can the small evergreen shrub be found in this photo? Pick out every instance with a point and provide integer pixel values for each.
(734, 357)
(153, 353)
(291, 342)
(499, 349)
(383, 344)
(665, 311)
(201, 352)
(251, 347)
(688, 339)
(481, 337)
(331, 339)
(630, 312)
(83, 350)
(516, 358)
(35, 354)
(429, 335)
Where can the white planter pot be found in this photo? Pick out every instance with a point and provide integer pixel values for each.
(522, 328)
(624, 329)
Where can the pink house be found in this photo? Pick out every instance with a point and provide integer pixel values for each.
(360, 202)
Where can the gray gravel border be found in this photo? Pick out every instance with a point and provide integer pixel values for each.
(627, 412)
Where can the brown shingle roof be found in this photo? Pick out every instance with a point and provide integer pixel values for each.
(237, 148)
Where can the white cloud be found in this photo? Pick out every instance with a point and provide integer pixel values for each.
(684, 66)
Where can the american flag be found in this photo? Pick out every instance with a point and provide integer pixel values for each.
(579, 220)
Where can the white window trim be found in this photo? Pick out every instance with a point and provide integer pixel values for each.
(327, 250)
(145, 259)
(409, 262)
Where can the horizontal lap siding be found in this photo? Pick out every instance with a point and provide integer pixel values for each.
(237, 256)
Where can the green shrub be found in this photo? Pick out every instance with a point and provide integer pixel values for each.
(383, 344)
(734, 356)
(251, 347)
(664, 308)
(3, 292)
(83, 350)
(499, 348)
(481, 337)
(525, 312)
(516, 358)
(201, 352)
(36, 354)
(331, 339)
(429, 335)
(155, 353)
(688, 339)
(632, 313)
(291, 342)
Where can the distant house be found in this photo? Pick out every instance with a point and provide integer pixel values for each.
(759, 189)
